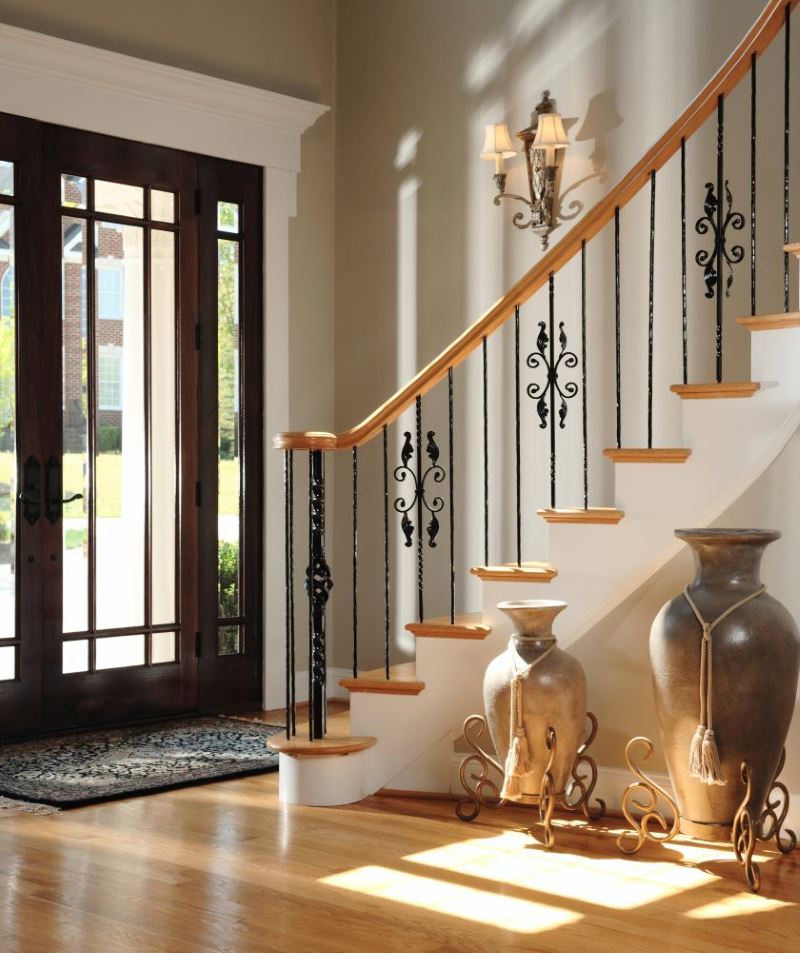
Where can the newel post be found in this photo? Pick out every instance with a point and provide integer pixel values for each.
(318, 587)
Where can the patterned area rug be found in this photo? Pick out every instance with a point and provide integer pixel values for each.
(70, 770)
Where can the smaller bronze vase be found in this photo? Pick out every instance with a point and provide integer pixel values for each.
(550, 692)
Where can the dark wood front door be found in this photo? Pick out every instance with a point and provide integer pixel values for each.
(130, 426)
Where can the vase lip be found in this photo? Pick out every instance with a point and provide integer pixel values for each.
(532, 604)
(714, 534)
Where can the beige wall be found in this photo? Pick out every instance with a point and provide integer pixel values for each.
(287, 46)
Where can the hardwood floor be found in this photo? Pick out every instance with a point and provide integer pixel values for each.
(225, 868)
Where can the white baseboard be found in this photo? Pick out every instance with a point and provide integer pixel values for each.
(611, 784)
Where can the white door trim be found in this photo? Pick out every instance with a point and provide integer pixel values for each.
(75, 85)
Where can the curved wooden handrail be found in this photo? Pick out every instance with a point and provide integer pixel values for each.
(737, 65)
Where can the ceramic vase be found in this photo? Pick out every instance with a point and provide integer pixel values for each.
(754, 670)
(553, 695)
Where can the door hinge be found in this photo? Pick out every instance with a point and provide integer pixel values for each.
(197, 645)
(198, 336)
(198, 201)
(198, 494)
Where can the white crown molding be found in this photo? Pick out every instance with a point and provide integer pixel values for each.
(88, 66)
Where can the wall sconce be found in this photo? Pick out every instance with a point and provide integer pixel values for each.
(544, 141)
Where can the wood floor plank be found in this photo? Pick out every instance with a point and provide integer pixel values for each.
(225, 868)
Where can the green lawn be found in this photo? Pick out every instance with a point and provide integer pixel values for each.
(109, 483)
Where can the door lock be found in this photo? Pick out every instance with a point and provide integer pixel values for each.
(31, 494)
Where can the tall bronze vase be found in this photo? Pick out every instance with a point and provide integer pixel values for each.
(751, 679)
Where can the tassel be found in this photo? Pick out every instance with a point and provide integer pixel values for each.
(711, 772)
(696, 753)
(516, 765)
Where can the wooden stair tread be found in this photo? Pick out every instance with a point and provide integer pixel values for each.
(647, 454)
(771, 322)
(793, 248)
(466, 626)
(324, 747)
(716, 391)
(593, 514)
(511, 572)
(402, 681)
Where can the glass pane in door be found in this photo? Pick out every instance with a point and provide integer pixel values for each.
(120, 459)
(8, 425)
(75, 432)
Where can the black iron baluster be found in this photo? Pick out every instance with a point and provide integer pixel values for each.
(319, 585)
(355, 562)
(786, 63)
(288, 545)
(684, 323)
(452, 498)
(720, 184)
(617, 328)
(650, 309)
(485, 453)
(545, 394)
(517, 435)
(310, 594)
(386, 608)
(292, 662)
(583, 379)
(420, 566)
(753, 184)
(551, 320)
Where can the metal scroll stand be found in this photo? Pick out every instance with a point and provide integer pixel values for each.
(643, 795)
(483, 792)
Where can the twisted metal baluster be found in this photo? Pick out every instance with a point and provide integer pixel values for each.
(684, 324)
(583, 379)
(786, 70)
(617, 327)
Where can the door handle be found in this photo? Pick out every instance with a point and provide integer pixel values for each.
(31, 494)
(54, 503)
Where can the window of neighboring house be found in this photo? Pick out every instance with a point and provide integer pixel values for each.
(109, 378)
(110, 292)
(7, 294)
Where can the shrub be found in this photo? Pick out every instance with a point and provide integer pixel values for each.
(109, 439)
(228, 579)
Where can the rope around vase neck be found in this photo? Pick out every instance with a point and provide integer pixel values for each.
(518, 759)
(704, 761)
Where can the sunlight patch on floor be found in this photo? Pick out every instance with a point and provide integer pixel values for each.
(612, 882)
(453, 900)
(739, 905)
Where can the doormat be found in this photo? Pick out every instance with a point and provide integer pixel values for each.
(72, 770)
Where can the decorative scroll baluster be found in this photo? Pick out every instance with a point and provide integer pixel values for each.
(753, 184)
(386, 576)
(517, 435)
(288, 486)
(452, 512)
(650, 309)
(617, 327)
(786, 65)
(721, 237)
(717, 218)
(420, 563)
(355, 562)
(545, 393)
(684, 323)
(318, 586)
(419, 499)
(583, 379)
(485, 452)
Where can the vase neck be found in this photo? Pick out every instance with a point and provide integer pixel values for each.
(728, 563)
